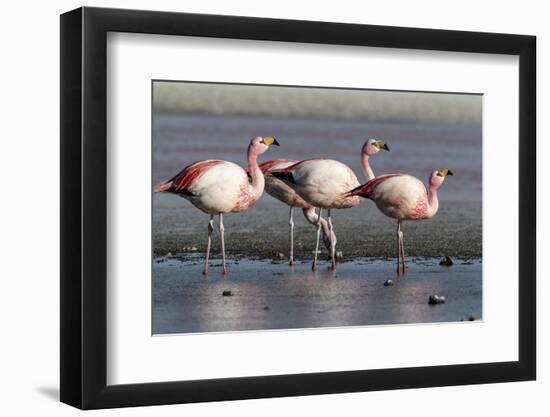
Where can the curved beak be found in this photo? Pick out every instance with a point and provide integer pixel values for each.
(382, 145)
(270, 140)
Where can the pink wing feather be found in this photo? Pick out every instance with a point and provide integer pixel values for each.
(185, 178)
(364, 190)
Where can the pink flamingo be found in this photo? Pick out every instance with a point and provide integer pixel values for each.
(323, 183)
(283, 192)
(403, 197)
(219, 187)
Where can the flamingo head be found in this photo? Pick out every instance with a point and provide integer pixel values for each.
(373, 146)
(437, 177)
(259, 145)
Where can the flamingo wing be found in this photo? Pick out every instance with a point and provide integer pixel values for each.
(286, 174)
(276, 164)
(366, 189)
(181, 182)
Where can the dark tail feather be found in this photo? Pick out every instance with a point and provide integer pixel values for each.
(285, 176)
(360, 190)
(163, 186)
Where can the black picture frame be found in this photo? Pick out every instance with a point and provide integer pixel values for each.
(84, 207)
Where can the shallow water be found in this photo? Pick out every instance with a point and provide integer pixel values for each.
(271, 295)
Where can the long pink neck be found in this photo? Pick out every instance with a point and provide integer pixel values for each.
(312, 217)
(367, 170)
(258, 181)
(433, 201)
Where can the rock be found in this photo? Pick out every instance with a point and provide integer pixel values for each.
(471, 318)
(436, 299)
(388, 283)
(266, 308)
(339, 255)
(447, 261)
(280, 255)
(227, 293)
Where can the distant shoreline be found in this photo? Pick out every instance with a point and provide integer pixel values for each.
(317, 103)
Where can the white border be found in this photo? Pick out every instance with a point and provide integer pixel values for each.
(135, 356)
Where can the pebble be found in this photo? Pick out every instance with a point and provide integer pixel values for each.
(471, 318)
(227, 293)
(436, 299)
(339, 255)
(266, 308)
(388, 283)
(280, 255)
(447, 261)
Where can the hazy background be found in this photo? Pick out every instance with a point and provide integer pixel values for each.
(319, 103)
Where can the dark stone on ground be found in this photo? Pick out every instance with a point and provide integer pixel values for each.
(436, 299)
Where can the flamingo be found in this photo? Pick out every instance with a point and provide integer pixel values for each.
(323, 183)
(403, 197)
(219, 187)
(280, 190)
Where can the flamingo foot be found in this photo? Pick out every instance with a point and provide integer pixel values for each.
(292, 262)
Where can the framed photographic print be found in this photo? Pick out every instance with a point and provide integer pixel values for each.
(257, 208)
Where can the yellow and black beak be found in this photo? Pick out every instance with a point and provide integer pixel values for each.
(443, 172)
(380, 144)
(270, 140)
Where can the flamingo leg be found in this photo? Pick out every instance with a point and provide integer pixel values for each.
(398, 246)
(222, 232)
(314, 266)
(402, 244)
(332, 244)
(210, 230)
(291, 226)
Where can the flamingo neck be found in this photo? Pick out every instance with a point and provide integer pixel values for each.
(367, 170)
(311, 217)
(258, 181)
(433, 201)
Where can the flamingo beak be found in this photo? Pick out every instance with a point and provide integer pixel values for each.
(270, 141)
(443, 172)
(380, 144)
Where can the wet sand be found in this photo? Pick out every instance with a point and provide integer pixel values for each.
(262, 232)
